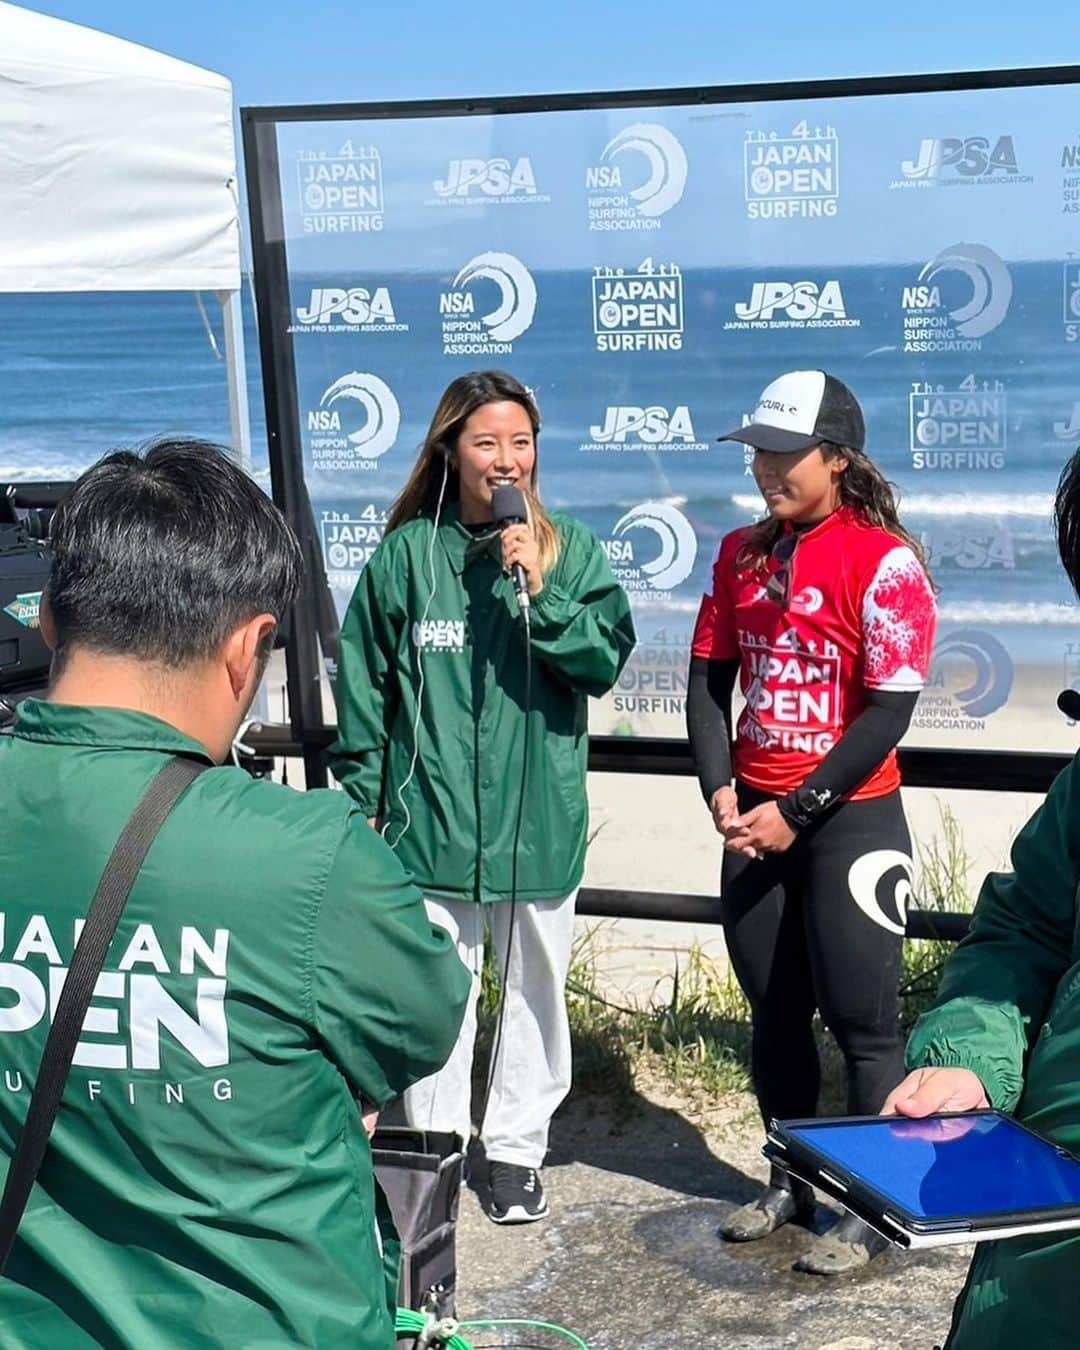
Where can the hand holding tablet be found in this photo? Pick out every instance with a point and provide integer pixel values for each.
(932, 1180)
(925, 1092)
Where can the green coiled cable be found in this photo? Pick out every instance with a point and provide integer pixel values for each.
(412, 1323)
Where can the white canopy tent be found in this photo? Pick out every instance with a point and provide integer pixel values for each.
(118, 173)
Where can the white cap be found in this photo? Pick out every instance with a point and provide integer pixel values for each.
(802, 409)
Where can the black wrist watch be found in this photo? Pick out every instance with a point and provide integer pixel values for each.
(804, 805)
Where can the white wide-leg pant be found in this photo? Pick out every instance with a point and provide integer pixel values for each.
(533, 1068)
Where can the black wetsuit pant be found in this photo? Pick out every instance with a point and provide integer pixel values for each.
(819, 927)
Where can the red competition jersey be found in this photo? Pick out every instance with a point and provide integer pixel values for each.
(861, 617)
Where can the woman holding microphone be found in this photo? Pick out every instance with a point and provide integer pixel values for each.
(825, 613)
(465, 733)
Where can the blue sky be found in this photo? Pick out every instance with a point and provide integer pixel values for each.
(284, 51)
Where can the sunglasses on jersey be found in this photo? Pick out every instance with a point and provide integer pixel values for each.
(778, 587)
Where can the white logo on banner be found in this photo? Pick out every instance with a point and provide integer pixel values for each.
(356, 309)
(666, 158)
(1071, 299)
(955, 161)
(492, 333)
(349, 541)
(979, 550)
(801, 304)
(381, 414)
(627, 427)
(962, 427)
(342, 193)
(792, 177)
(930, 326)
(1070, 180)
(1069, 428)
(677, 547)
(493, 181)
(971, 677)
(638, 311)
(615, 206)
(991, 286)
(517, 305)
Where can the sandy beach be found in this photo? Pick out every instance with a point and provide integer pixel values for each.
(653, 833)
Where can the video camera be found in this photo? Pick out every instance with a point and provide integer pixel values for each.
(25, 514)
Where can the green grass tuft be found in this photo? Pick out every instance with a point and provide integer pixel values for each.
(696, 1038)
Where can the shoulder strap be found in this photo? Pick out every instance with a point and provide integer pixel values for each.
(110, 898)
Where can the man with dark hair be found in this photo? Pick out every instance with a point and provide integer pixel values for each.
(208, 1180)
(1005, 1032)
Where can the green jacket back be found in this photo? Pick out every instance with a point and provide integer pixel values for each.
(1009, 1010)
(208, 1181)
(431, 694)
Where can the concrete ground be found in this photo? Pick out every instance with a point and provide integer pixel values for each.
(629, 1255)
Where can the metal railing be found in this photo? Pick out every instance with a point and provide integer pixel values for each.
(976, 770)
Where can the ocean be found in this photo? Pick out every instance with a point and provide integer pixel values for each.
(82, 374)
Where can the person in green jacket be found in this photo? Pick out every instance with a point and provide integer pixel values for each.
(209, 1179)
(471, 750)
(1004, 1031)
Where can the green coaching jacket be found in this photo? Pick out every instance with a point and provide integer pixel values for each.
(450, 793)
(1009, 1010)
(208, 1182)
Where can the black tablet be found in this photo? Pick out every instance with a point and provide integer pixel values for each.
(958, 1177)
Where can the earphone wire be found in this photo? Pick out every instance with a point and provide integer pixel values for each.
(500, 1016)
(433, 583)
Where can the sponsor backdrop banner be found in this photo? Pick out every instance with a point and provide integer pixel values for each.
(646, 271)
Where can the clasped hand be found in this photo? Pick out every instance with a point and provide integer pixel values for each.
(756, 832)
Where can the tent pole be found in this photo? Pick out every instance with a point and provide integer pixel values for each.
(232, 314)
(239, 419)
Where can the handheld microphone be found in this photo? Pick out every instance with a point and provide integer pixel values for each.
(1068, 702)
(508, 508)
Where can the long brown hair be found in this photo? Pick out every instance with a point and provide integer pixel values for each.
(863, 488)
(460, 399)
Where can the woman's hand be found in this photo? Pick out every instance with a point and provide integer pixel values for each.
(724, 806)
(926, 1092)
(519, 546)
(761, 830)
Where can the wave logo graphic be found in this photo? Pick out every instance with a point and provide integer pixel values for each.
(991, 286)
(678, 543)
(517, 293)
(1069, 428)
(880, 884)
(667, 165)
(382, 416)
(807, 601)
(1072, 291)
(991, 665)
